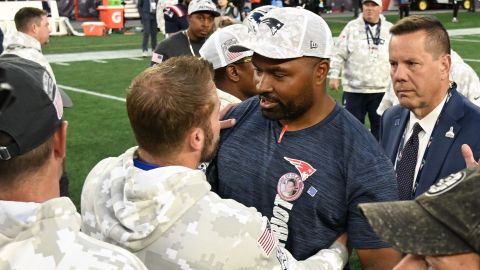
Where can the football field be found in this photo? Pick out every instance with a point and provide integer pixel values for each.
(98, 124)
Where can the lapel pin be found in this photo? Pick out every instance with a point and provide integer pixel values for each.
(450, 133)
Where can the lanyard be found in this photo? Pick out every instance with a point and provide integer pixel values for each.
(453, 86)
(368, 31)
(189, 43)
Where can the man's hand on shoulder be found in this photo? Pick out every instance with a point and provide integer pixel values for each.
(227, 123)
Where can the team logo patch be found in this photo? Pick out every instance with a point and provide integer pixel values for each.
(267, 240)
(312, 191)
(290, 187)
(230, 56)
(305, 169)
(445, 184)
(273, 24)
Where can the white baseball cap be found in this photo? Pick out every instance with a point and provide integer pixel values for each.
(286, 33)
(378, 2)
(215, 48)
(202, 6)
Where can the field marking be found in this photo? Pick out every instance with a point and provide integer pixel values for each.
(135, 58)
(471, 60)
(62, 64)
(466, 40)
(78, 90)
(99, 61)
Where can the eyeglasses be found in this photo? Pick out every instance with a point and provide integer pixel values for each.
(244, 60)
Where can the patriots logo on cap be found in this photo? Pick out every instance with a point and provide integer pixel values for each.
(257, 16)
(273, 24)
(305, 169)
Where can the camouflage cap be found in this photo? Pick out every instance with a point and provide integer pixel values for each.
(286, 33)
(215, 49)
(444, 220)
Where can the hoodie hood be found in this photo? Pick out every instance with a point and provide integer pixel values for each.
(18, 40)
(130, 207)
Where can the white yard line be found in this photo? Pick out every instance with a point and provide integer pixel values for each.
(88, 92)
(471, 60)
(466, 40)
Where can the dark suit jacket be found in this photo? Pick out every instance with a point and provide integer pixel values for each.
(444, 156)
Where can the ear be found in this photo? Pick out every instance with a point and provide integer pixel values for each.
(196, 139)
(320, 71)
(33, 28)
(232, 73)
(445, 65)
(60, 141)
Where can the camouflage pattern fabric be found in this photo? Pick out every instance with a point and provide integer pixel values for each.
(468, 84)
(171, 220)
(27, 47)
(364, 67)
(47, 236)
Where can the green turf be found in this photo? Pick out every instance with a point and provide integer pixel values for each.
(70, 44)
(99, 128)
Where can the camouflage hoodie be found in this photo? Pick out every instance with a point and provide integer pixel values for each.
(27, 47)
(171, 220)
(47, 236)
(364, 66)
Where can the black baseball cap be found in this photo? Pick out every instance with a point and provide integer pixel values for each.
(445, 220)
(35, 111)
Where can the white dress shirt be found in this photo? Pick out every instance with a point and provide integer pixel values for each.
(428, 124)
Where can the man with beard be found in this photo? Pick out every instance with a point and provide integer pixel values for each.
(152, 201)
(201, 14)
(295, 131)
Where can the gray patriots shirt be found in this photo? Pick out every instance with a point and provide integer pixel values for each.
(47, 236)
(170, 219)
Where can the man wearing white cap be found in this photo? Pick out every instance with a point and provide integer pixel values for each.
(295, 131)
(234, 75)
(361, 60)
(200, 19)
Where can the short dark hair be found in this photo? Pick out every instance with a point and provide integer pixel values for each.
(437, 40)
(27, 15)
(165, 101)
(13, 169)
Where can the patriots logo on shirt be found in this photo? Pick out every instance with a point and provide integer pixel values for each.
(273, 24)
(305, 169)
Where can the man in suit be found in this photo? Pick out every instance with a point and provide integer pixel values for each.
(420, 63)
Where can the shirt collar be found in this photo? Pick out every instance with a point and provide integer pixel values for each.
(428, 122)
